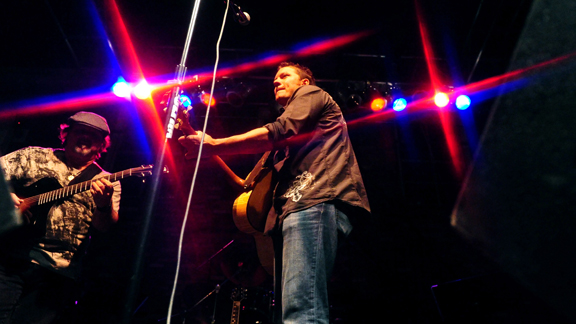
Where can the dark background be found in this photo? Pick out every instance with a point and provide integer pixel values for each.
(406, 265)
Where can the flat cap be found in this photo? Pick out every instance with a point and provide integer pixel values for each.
(90, 119)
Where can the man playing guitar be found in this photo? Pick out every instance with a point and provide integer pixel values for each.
(319, 188)
(37, 274)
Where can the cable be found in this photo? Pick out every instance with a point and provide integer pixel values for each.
(197, 167)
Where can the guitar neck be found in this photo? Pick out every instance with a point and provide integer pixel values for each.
(232, 178)
(235, 318)
(68, 191)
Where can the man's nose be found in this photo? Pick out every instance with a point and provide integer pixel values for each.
(86, 137)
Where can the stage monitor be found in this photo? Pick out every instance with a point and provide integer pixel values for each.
(518, 202)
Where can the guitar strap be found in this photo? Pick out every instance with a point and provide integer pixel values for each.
(86, 174)
(252, 177)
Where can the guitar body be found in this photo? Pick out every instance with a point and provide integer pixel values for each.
(250, 212)
(36, 224)
(251, 208)
(19, 241)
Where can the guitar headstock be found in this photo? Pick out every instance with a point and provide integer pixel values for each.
(183, 121)
(239, 294)
(142, 171)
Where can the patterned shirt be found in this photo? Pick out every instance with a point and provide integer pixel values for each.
(68, 220)
(318, 163)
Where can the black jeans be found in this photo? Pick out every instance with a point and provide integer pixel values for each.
(32, 294)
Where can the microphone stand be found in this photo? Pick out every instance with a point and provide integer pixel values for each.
(155, 181)
(216, 289)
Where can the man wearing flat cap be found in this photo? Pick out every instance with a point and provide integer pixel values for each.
(38, 275)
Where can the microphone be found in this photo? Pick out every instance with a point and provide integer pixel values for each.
(241, 17)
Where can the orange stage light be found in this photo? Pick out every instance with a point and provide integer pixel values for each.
(205, 98)
(378, 104)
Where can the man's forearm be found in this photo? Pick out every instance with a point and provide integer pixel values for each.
(254, 141)
(104, 218)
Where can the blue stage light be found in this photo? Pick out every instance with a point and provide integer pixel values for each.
(399, 104)
(185, 101)
(121, 88)
(462, 102)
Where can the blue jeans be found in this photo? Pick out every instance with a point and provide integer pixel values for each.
(309, 245)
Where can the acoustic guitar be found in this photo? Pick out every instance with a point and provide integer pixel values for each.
(42, 194)
(251, 208)
(57, 192)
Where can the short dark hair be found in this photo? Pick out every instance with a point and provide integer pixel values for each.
(303, 71)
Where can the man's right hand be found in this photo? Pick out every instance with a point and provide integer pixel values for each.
(23, 208)
(17, 201)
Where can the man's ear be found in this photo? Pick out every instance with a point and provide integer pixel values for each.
(305, 82)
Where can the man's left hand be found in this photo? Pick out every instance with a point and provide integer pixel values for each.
(192, 143)
(102, 191)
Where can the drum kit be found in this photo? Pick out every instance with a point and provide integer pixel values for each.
(251, 302)
(242, 298)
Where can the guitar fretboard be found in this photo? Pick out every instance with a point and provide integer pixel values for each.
(84, 186)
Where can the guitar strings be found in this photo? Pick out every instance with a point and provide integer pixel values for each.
(70, 190)
(180, 243)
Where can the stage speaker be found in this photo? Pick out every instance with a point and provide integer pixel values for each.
(518, 200)
(490, 299)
